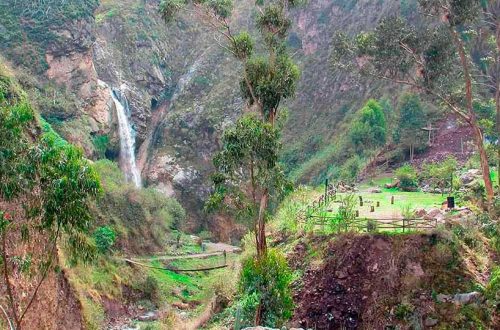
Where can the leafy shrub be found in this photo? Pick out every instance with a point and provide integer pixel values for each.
(407, 177)
(371, 226)
(104, 238)
(265, 284)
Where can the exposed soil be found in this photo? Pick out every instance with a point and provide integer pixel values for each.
(451, 138)
(364, 279)
(55, 306)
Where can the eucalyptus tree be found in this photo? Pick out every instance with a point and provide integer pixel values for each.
(247, 170)
(486, 55)
(433, 59)
(368, 130)
(45, 189)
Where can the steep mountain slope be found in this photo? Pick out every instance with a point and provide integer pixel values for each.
(180, 85)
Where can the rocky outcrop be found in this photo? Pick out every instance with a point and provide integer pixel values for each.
(70, 64)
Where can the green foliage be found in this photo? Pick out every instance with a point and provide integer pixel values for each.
(459, 11)
(406, 54)
(169, 8)
(248, 141)
(345, 213)
(403, 311)
(493, 288)
(273, 22)
(271, 82)
(369, 129)
(290, 210)
(242, 45)
(265, 282)
(407, 177)
(66, 181)
(50, 181)
(411, 119)
(440, 174)
(104, 238)
(101, 143)
(220, 8)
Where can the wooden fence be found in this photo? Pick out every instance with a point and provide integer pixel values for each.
(334, 224)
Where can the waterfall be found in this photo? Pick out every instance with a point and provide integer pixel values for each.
(127, 139)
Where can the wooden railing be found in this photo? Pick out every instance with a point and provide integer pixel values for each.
(334, 224)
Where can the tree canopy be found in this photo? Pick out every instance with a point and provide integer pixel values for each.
(369, 128)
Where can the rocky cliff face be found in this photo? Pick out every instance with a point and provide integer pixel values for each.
(182, 87)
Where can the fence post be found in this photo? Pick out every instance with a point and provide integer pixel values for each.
(326, 191)
(392, 200)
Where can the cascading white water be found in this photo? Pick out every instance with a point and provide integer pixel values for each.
(127, 140)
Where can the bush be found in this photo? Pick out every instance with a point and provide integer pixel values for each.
(350, 170)
(151, 289)
(104, 238)
(265, 284)
(440, 174)
(407, 177)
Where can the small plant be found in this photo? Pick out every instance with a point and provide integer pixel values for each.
(371, 226)
(104, 238)
(403, 311)
(407, 211)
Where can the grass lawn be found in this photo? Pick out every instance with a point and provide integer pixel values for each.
(402, 200)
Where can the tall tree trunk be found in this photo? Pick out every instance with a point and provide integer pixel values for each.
(497, 101)
(261, 225)
(478, 136)
(497, 96)
(260, 237)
